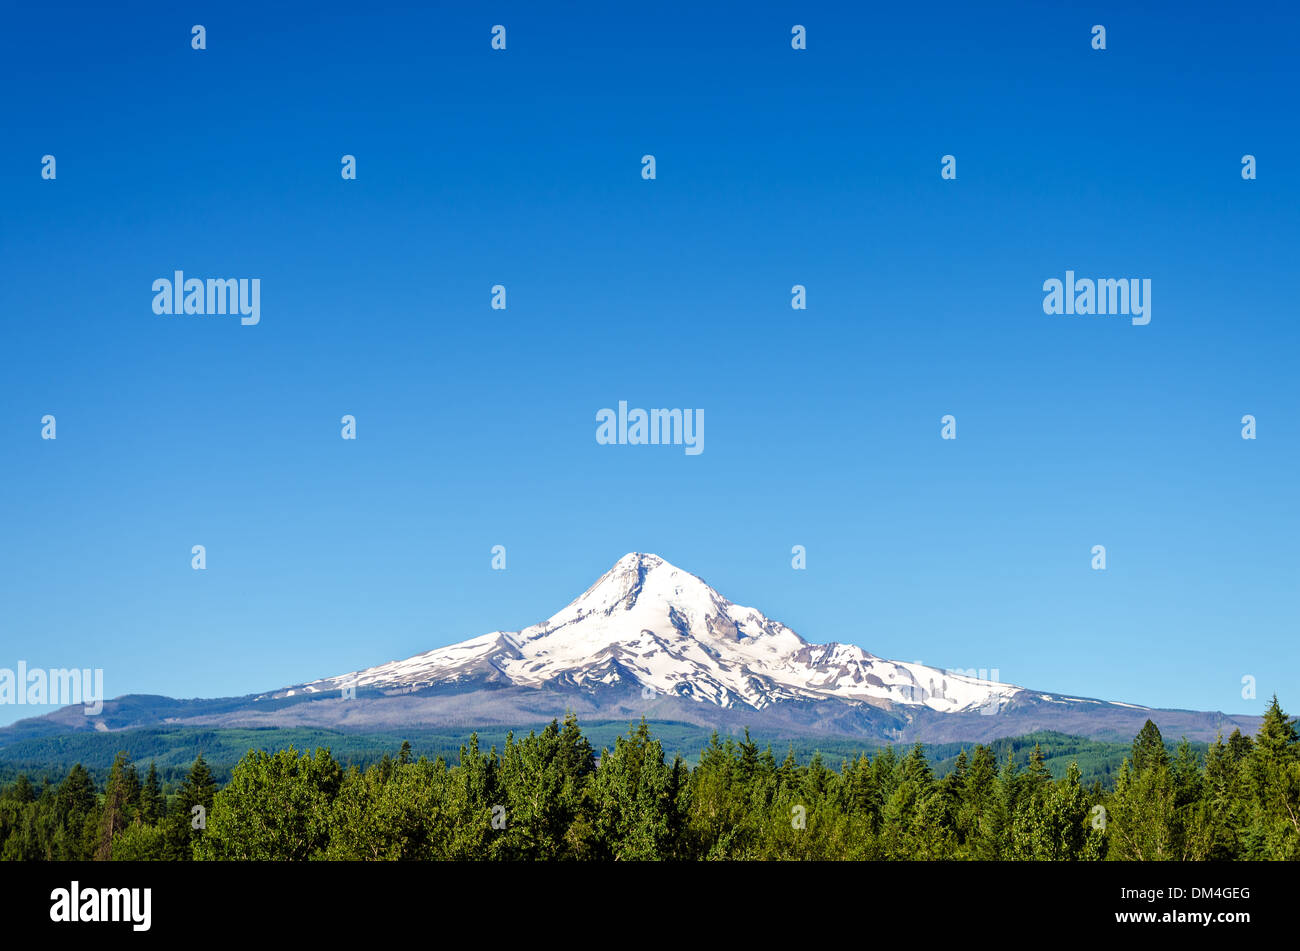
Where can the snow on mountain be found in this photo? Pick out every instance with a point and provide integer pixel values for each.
(653, 625)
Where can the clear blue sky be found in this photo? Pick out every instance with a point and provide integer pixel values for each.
(477, 427)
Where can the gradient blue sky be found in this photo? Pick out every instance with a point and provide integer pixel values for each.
(476, 427)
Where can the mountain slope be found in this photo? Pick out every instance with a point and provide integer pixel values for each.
(649, 623)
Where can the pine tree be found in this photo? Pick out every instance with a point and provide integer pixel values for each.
(951, 788)
(1149, 749)
(1067, 813)
(630, 797)
(197, 789)
(1272, 774)
(151, 797)
(1142, 820)
(1239, 746)
(115, 813)
(915, 825)
(1004, 810)
(1033, 835)
(1222, 805)
(977, 819)
(74, 818)
(186, 821)
(131, 789)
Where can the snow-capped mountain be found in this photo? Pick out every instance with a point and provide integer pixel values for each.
(652, 625)
(651, 640)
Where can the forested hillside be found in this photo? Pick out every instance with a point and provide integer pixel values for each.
(549, 795)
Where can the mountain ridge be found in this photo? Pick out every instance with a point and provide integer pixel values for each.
(674, 634)
(649, 639)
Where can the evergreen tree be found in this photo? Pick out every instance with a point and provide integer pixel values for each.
(1149, 749)
(1272, 780)
(1239, 746)
(1032, 835)
(1142, 819)
(22, 791)
(1221, 808)
(978, 813)
(151, 797)
(198, 787)
(914, 825)
(72, 830)
(116, 812)
(631, 798)
(187, 819)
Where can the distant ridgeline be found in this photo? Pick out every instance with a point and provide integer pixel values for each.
(549, 795)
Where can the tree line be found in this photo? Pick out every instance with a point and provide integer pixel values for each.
(549, 796)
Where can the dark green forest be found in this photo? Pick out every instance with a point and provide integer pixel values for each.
(550, 796)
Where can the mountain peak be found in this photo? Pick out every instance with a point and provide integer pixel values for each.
(648, 625)
(623, 584)
(640, 558)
